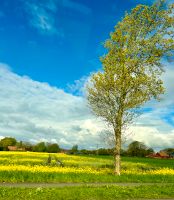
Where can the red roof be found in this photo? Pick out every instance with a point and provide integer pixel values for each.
(160, 154)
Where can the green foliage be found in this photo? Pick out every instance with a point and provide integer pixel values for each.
(7, 141)
(103, 151)
(20, 144)
(43, 147)
(132, 67)
(28, 146)
(139, 149)
(169, 150)
(74, 149)
(53, 148)
(40, 147)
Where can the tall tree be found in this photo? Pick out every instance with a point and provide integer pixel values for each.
(132, 67)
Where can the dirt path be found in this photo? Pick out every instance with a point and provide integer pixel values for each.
(59, 185)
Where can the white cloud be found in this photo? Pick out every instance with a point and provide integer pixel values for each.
(156, 127)
(30, 110)
(153, 137)
(35, 111)
(78, 87)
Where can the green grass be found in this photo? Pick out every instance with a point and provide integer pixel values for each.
(86, 193)
(15, 177)
(140, 166)
(102, 166)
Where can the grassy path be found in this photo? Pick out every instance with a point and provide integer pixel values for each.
(60, 185)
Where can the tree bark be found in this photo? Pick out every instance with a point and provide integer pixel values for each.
(117, 152)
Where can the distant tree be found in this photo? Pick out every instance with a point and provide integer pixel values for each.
(74, 149)
(40, 147)
(138, 149)
(53, 148)
(7, 141)
(168, 150)
(102, 151)
(123, 152)
(88, 152)
(19, 144)
(132, 68)
(84, 151)
(150, 151)
(28, 146)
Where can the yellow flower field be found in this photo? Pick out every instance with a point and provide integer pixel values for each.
(33, 167)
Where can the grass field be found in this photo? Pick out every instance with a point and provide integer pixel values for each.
(32, 167)
(86, 193)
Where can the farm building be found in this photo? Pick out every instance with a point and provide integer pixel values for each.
(15, 148)
(161, 154)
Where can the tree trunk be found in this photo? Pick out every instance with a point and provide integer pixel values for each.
(118, 132)
(117, 152)
(117, 165)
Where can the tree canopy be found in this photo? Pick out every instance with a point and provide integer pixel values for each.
(132, 67)
(138, 149)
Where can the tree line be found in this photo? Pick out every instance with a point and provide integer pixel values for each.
(135, 148)
(6, 142)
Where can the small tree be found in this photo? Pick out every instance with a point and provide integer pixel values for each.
(132, 67)
(53, 148)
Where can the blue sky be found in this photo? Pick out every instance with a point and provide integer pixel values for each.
(48, 48)
(57, 41)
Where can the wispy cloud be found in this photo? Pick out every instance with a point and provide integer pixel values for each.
(78, 87)
(76, 6)
(42, 16)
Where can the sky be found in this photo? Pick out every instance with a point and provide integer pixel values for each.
(48, 49)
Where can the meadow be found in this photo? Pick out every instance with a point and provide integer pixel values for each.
(88, 193)
(33, 167)
(30, 167)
